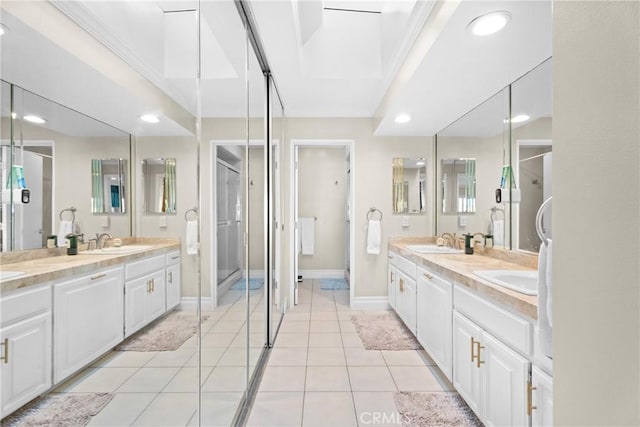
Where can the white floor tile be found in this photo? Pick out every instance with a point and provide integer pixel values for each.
(324, 315)
(124, 359)
(359, 357)
(277, 409)
(407, 358)
(325, 340)
(278, 378)
(321, 378)
(217, 340)
(371, 378)
(297, 316)
(122, 410)
(148, 380)
(208, 357)
(218, 409)
(352, 340)
(166, 359)
(415, 378)
(226, 378)
(346, 327)
(320, 356)
(328, 409)
(255, 340)
(283, 356)
(292, 340)
(97, 380)
(345, 315)
(169, 409)
(226, 327)
(376, 409)
(237, 356)
(186, 380)
(324, 326)
(294, 327)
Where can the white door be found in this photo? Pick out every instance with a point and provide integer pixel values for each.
(26, 371)
(504, 375)
(541, 399)
(297, 227)
(466, 374)
(29, 216)
(410, 287)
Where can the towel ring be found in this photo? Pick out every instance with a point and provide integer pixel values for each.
(186, 214)
(371, 213)
(73, 213)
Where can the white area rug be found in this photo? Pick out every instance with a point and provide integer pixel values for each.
(166, 334)
(422, 409)
(59, 410)
(383, 330)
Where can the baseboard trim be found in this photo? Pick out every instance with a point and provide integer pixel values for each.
(322, 274)
(370, 303)
(191, 303)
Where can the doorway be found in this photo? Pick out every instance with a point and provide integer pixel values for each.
(321, 244)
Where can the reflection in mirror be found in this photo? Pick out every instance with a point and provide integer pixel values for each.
(159, 176)
(458, 185)
(481, 135)
(409, 180)
(108, 186)
(532, 102)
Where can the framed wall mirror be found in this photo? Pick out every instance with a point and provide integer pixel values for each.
(409, 182)
(108, 186)
(159, 186)
(458, 185)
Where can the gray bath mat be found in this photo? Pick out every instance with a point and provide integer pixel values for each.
(59, 410)
(166, 334)
(423, 409)
(384, 330)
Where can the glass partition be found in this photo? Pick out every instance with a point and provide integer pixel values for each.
(466, 194)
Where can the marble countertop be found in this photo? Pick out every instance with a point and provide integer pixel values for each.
(460, 268)
(42, 265)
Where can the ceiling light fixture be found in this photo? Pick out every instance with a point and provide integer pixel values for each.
(34, 119)
(489, 23)
(3, 29)
(402, 118)
(420, 163)
(520, 118)
(149, 118)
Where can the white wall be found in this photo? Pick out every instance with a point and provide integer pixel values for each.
(322, 193)
(596, 214)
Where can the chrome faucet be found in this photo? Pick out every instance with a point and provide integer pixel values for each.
(99, 239)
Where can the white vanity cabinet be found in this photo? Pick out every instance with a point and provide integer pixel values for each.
(145, 292)
(25, 345)
(173, 280)
(405, 280)
(433, 317)
(391, 281)
(487, 372)
(540, 398)
(87, 319)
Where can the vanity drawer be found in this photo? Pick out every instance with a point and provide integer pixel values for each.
(144, 266)
(173, 258)
(510, 328)
(20, 304)
(406, 266)
(391, 258)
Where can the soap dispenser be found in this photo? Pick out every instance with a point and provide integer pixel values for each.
(468, 244)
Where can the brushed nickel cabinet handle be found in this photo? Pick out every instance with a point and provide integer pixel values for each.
(99, 276)
(478, 360)
(171, 277)
(5, 356)
(530, 406)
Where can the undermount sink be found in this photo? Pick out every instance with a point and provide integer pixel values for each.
(434, 249)
(6, 275)
(525, 282)
(118, 250)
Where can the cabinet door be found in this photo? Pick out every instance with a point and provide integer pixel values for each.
(391, 286)
(433, 319)
(173, 286)
(466, 374)
(26, 371)
(400, 281)
(87, 318)
(156, 299)
(541, 398)
(135, 316)
(504, 378)
(411, 302)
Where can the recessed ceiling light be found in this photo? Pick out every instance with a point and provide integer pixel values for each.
(420, 163)
(3, 29)
(14, 116)
(34, 119)
(402, 118)
(489, 23)
(520, 118)
(149, 118)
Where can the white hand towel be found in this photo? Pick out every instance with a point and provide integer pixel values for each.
(374, 237)
(498, 232)
(544, 326)
(307, 235)
(192, 237)
(66, 227)
(549, 282)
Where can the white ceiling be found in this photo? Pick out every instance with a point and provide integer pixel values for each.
(327, 63)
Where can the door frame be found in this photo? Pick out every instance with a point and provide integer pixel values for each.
(293, 191)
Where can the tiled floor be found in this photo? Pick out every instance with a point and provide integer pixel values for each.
(319, 373)
(161, 388)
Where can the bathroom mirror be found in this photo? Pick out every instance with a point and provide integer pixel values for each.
(108, 186)
(159, 179)
(409, 180)
(458, 185)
